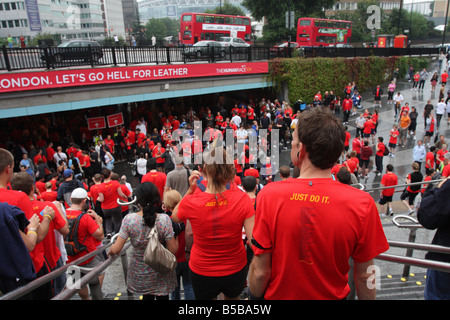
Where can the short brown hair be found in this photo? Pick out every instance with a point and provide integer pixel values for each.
(22, 181)
(285, 172)
(322, 135)
(6, 159)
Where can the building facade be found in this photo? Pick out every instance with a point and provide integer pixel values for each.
(63, 20)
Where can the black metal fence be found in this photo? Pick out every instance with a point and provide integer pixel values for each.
(56, 57)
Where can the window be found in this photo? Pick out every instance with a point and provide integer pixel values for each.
(246, 22)
(238, 21)
(220, 19)
(209, 19)
(187, 18)
(305, 22)
(229, 20)
(200, 18)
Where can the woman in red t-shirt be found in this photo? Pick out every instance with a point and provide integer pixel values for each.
(108, 193)
(218, 260)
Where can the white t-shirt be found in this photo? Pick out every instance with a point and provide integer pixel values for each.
(440, 108)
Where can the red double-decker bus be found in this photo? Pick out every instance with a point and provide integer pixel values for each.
(196, 27)
(316, 32)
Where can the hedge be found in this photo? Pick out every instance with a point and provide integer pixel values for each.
(304, 77)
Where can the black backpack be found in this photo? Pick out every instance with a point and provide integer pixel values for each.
(73, 246)
(386, 150)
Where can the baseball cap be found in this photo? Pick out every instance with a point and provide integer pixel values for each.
(67, 173)
(79, 193)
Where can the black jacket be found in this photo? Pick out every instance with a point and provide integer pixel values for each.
(434, 213)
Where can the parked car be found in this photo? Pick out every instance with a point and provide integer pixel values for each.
(203, 49)
(279, 50)
(343, 45)
(75, 50)
(236, 43)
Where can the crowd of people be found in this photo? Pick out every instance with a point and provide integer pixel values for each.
(215, 217)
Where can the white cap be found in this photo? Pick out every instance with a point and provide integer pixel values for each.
(79, 193)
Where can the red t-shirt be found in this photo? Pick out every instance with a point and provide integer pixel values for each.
(440, 155)
(40, 185)
(444, 77)
(94, 190)
(356, 145)
(368, 126)
(126, 192)
(251, 172)
(158, 151)
(429, 158)
(312, 228)
(109, 190)
(392, 139)
(158, 179)
(18, 199)
(86, 228)
(49, 196)
(50, 250)
(381, 148)
(389, 179)
(347, 138)
(217, 228)
(351, 165)
(446, 171)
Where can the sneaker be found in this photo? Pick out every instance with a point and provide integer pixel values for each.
(391, 213)
(410, 212)
(378, 174)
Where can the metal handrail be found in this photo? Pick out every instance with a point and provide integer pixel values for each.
(403, 185)
(19, 292)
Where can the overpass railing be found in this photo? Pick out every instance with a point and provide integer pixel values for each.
(57, 57)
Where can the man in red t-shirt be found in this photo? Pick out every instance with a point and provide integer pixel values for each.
(155, 177)
(45, 250)
(306, 226)
(49, 194)
(379, 155)
(389, 179)
(90, 234)
(157, 152)
(347, 105)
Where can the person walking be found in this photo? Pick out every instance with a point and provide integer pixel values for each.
(218, 260)
(141, 279)
(295, 218)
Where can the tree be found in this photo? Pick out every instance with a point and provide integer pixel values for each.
(227, 8)
(274, 13)
(419, 27)
(161, 28)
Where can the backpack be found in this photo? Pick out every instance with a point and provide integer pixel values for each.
(386, 150)
(71, 243)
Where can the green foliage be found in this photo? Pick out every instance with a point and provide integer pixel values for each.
(403, 64)
(304, 77)
(227, 8)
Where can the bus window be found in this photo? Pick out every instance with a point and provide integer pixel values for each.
(209, 36)
(219, 35)
(349, 25)
(246, 22)
(238, 21)
(220, 19)
(187, 18)
(305, 22)
(229, 20)
(200, 18)
(326, 39)
(209, 19)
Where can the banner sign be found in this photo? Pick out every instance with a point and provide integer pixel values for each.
(115, 120)
(34, 19)
(52, 79)
(96, 123)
